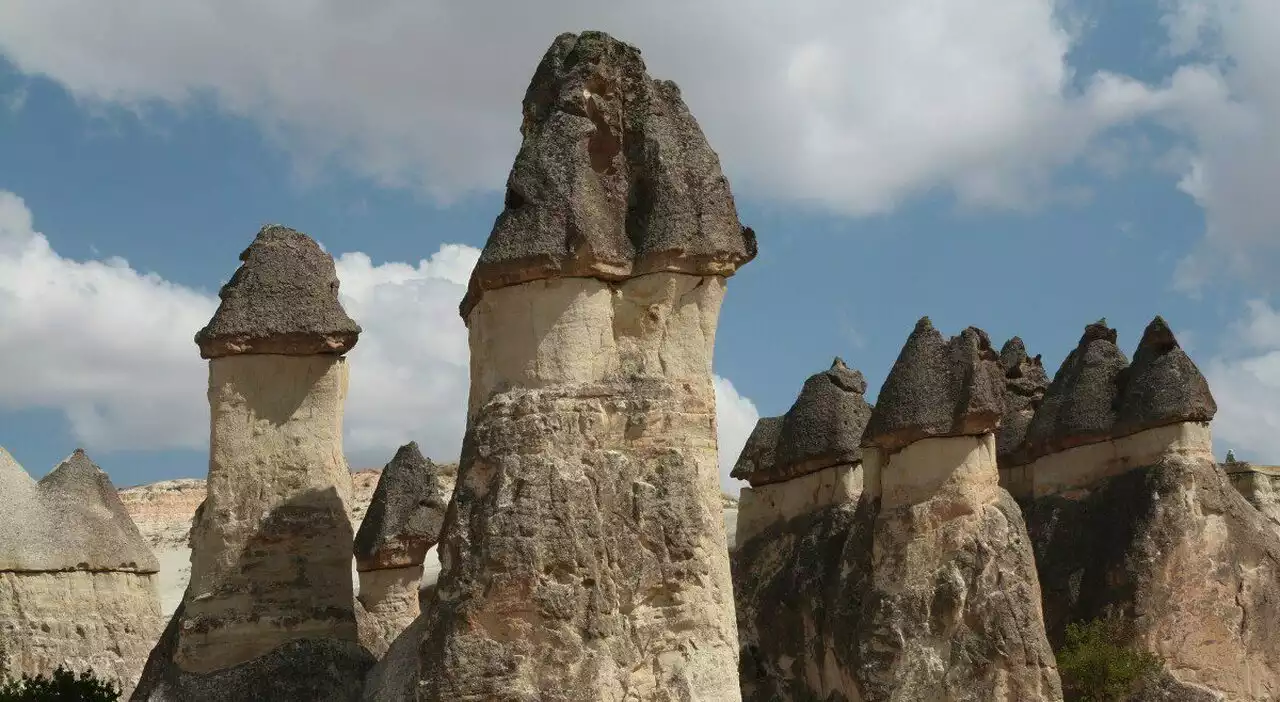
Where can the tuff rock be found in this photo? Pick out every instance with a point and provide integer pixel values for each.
(77, 581)
(271, 543)
(952, 607)
(401, 525)
(584, 551)
(1129, 471)
(1025, 383)
(803, 551)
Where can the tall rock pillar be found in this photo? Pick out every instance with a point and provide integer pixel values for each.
(270, 609)
(953, 609)
(583, 557)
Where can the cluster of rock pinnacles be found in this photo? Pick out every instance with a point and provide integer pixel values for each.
(932, 547)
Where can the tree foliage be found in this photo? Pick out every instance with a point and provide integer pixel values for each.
(62, 686)
(1099, 663)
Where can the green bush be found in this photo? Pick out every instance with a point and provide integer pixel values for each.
(64, 686)
(1098, 662)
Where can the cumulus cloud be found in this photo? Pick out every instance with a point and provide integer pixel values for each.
(1245, 380)
(1234, 126)
(111, 349)
(853, 105)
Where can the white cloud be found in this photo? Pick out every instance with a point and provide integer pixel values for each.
(1245, 380)
(1234, 125)
(112, 350)
(736, 416)
(850, 104)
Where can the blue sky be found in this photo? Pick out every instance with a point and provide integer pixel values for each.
(1025, 167)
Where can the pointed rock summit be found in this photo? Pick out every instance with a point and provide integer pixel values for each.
(614, 178)
(92, 521)
(404, 516)
(1080, 405)
(1162, 386)
(822, 428)
(1025, 383)
(938, 388)
(282, 300)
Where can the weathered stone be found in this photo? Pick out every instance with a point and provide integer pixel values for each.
(1080, 405)
(1172, 546)
(952, 610)
(282, 300)
(1162, 386)
(271, 591)
(1025, 383)
(823, 428)
(756, 462)
(319, 669)
(77, 582)
(404, 517)
(938, 388)
(1260, 485)
(402, 524)
(614, 179)
(584, 551)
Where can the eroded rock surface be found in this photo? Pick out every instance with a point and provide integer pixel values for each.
(1260, 485)
(402, 523)
(584, 554)
(803, 546)
(271, 543)
(77, 581)
(1172, 545)
(952, 609)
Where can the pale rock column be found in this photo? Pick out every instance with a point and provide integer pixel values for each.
(1120, 457)
(401, 525)
(953, 607)
(77, 580)
(796, 593)
(270, 606)
(583, 556)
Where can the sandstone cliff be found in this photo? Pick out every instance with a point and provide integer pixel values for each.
(1260, 485)
(270, 588)
(1128, 510)
(584, 553)
(77, 581)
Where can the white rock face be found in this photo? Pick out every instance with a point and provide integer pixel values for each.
(272, 542)
(1260, 485)
(776, 503)
(584, 557)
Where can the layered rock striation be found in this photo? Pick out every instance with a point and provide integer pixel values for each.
(401, 525)
(802, 544)
(1260, 485)
(951, 610)
(77, 581)
(271, 543)
(1129, 513)
(584, 553)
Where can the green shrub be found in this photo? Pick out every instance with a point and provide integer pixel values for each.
(1098, 662)
(64, 686)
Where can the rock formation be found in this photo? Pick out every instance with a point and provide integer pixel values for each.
(1260, 485)
(1024, 385)
(584, 552)
(1129, 512)
(803, 544)
(270, 586)
(952, 609)
(77, 581)
(402, 524)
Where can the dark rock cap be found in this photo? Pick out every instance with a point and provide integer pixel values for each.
(94, 530)
(938, 388)
(405, 513)
(1162, 386)
(823, 427)
(1025, 383)
(614, 178)
(1080, 405)
(282, 300)
(758, 454)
